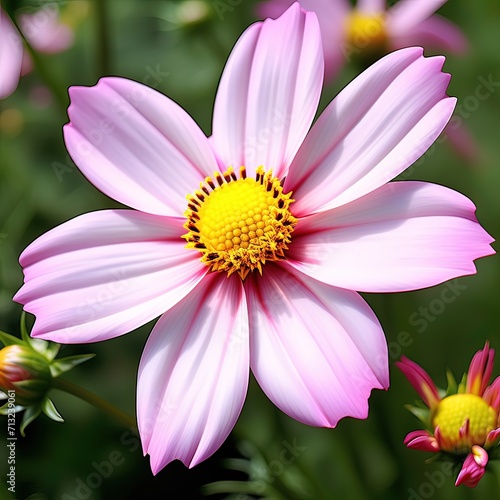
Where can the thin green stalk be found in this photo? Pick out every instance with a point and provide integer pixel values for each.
(103, 45)
(121, 417)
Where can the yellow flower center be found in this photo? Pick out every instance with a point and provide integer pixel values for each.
(365, 31)
(239, 224)
(451, 415)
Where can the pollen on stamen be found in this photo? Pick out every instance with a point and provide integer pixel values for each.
(238, 224)
(463, 420)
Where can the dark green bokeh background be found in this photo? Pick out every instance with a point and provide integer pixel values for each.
(41, 188)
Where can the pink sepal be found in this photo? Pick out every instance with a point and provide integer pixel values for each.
(473, 468)
(480, 370)
(492, 394)
(493, 438)
(422, 440)
(420, 380)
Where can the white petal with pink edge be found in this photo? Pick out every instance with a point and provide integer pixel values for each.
(403, 236)
(106, 273)
(137, 146)
(269, 93)
(407, 14)
(11, 56)
(193, 374)
(317, 351)
(376, 127)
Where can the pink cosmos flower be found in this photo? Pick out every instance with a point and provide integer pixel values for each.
(45, 34)
(464, 424)
(258, 266)
(372, 27)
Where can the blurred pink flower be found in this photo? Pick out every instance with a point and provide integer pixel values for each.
(372, 27)
(44, 33)
(275, 249)
(464, 424)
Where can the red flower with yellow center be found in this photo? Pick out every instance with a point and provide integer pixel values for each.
(464, 422)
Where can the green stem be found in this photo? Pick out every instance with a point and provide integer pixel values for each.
(121, 417)
(45, 75)
(103, 51)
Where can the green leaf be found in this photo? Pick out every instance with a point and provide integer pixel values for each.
(462, 385)
(423, 414)
(452, 383)
(44, 347)
(239, 464)
(31, 413)
(50, 410)
(5, 410)
(24, 331)
(51, 350)
(40, 346)
(62, 365)
(37, 387)
(8, 339)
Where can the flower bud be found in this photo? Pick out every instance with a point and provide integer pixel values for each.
(26, 372)
(463, 422)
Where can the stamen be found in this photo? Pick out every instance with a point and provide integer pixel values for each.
(218, 178)
(227, 174)
(210, 182)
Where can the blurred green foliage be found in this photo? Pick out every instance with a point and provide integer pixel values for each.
(90, 456)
